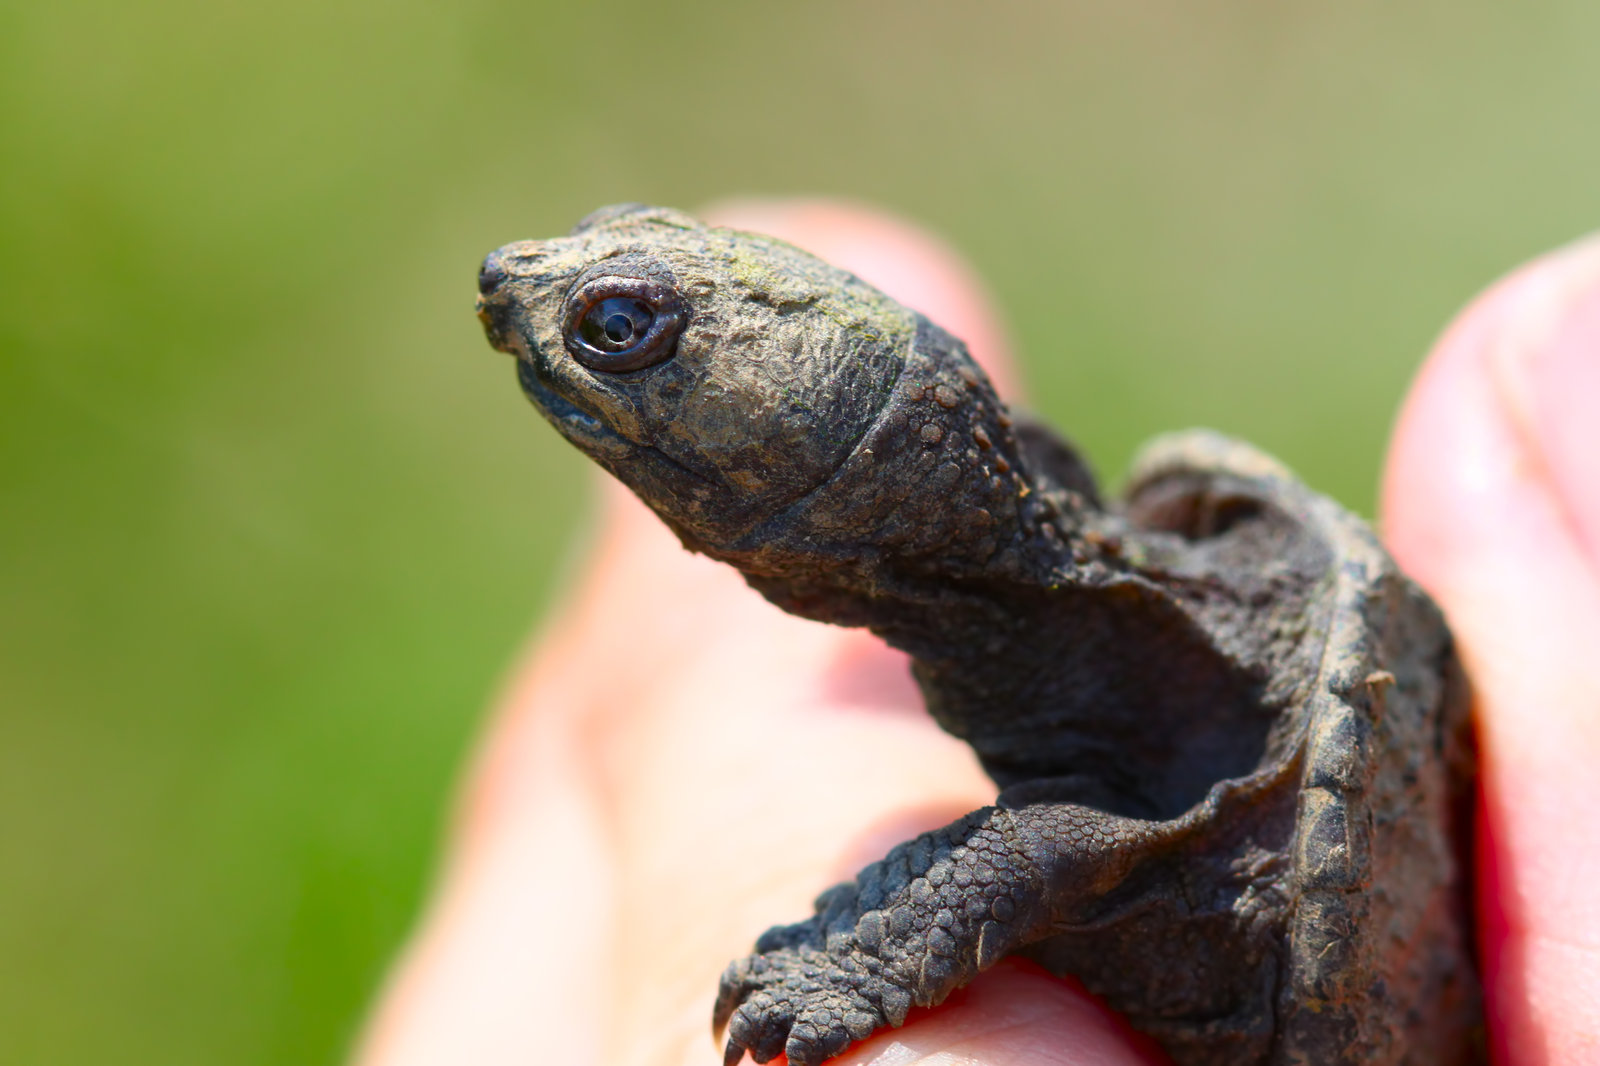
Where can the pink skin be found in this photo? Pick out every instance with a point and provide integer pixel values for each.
(1492, 501)
(625, 780)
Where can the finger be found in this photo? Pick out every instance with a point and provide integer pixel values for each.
(1014, 1015)
(1492, 500)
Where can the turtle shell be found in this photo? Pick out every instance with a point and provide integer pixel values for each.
(1374, 966)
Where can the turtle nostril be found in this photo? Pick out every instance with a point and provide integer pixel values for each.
(492, 274)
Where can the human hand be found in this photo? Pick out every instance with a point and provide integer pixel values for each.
(624, 833)
(1492, 502)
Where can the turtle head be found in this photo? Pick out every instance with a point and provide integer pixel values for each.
(721, 375)
(768, 406)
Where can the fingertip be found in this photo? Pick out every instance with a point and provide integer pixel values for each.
(903, 259)
(1485, 499)
(1013, 1015)
(1451, 445)
(1559, 376)
(1498, 438)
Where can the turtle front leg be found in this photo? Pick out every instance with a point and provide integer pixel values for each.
(922, 922)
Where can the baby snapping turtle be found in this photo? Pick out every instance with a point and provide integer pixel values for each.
(1230, 737)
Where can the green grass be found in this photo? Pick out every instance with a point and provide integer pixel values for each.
(273, 517)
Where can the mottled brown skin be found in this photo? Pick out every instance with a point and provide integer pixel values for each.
(1230, 737)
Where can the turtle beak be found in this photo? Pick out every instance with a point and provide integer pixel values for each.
(492, 274)
(492, 312)
(492, 316)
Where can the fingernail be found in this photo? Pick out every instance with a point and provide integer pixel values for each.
(1547, 370)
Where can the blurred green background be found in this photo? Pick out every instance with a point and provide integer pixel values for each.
(273, 518)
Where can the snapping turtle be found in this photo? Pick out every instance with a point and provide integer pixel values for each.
(1230, 738)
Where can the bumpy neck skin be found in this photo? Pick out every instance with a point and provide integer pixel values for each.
(1038, 631)
(941, 499)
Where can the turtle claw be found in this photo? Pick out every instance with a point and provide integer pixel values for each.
(801, 1003)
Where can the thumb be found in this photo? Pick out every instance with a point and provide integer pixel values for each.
(1492, 501)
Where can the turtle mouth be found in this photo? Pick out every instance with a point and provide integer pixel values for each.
(654, 475)
(573, 421)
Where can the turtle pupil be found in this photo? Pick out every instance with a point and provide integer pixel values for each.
(616, 323)
(619, 328)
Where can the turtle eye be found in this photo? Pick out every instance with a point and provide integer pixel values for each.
(617, 324)
(626, 324)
